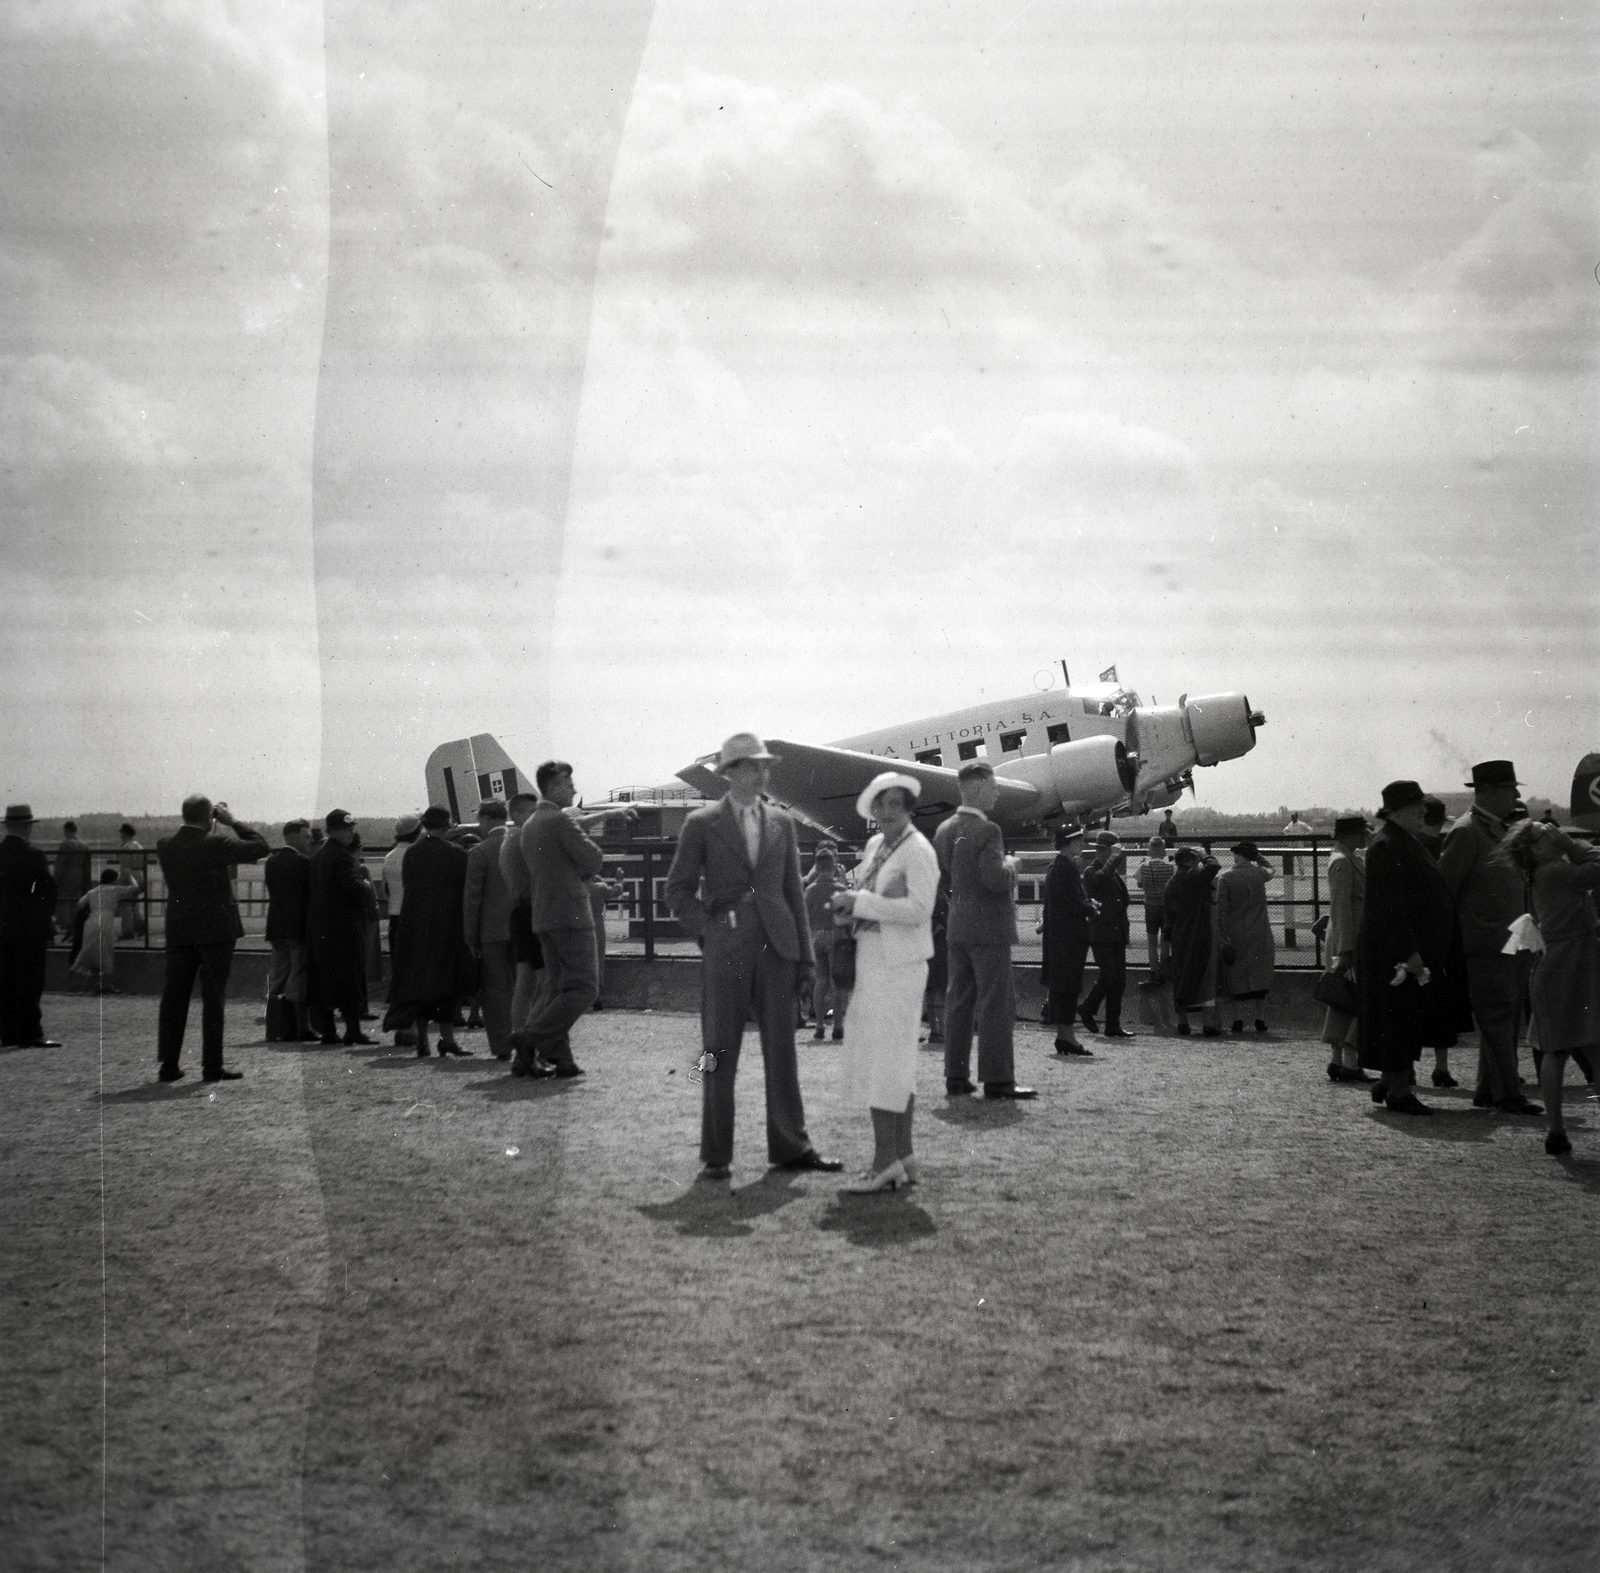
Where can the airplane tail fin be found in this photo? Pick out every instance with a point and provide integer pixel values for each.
(469, 771)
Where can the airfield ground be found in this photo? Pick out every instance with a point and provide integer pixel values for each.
(1196, 1308)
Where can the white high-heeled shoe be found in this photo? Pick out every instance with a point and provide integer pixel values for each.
(913, 1171)
(890, 1179)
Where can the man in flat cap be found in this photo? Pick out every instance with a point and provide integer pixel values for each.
(982, 929)
(735, 886)
(1490, 895)
(203, 923)
(337, 903)
(27, 924)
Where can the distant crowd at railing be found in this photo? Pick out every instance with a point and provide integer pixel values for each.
(1297, 898)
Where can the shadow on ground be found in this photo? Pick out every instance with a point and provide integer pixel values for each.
(711, 1209)
(877, 1221)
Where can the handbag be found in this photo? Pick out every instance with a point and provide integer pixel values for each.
(842, 960)
(1335, 990)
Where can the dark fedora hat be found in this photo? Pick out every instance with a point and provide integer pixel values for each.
(435, 817)
(1068, 832)
(1346, 823)
(1494, 772)
(19, 814)
(1400, 794)
(1185, 855)
(1245, 849)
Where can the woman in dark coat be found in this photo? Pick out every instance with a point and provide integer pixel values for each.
(433, 969)
(336, 918)
(1194, 979)
(1409, 971)
(1066, 938)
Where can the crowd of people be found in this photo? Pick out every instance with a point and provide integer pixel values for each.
(1432, 929)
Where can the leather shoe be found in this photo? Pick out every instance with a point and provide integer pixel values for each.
(1482, 1100)
(1557, 1145)
(455, 1049)
(1380, 1091)
(812, 1159)
(1008, 1089)
(1408, 1103)
(42, 1043)
(569, 1070)
(358, 1038)
(890, 1179)
(1336, 1071)
(1183, 1029)
(223, 1076)
(1088, 1021)
(1116, 1032)
(171, 1073)
(958, 1086)
(1519, 1106)
(1444, 1079)
(1073, 1051)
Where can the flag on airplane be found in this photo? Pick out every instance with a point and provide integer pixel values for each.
(1109, 675)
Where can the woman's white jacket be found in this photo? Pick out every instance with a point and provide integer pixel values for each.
(901, 899)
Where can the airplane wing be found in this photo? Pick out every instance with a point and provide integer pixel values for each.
(823, 784)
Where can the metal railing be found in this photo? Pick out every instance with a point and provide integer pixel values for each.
(1296, 896)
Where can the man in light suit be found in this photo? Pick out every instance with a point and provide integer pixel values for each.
(981, 932)
(561, 860)
(735, 886)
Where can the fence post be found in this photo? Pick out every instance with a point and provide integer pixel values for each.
(1291, 940)
(1316, 897)
(649, 904)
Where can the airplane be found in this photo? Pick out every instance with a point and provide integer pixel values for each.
(1072, 752)
(1060, 753)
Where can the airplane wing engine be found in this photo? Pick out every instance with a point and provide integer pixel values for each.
(1092, 773)
(1223, 726)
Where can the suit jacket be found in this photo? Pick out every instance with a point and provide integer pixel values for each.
(27, 892)
(1108, 926)
(486, 910)
(198, 868)
(1347, 899)
(561, 860)
(711, 875)
(972, 851)
(1489, 889)
(900, 899)
(288, 875)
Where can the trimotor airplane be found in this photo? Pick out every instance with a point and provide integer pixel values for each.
(1076, 752)
(1063, 752)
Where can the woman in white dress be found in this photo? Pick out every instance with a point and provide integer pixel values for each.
(97, 958)
(892, 909)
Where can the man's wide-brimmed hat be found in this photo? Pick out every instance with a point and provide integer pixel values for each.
(742, 745)
(1245, 849)
(435, 817)
(1494, 772)
(19, 814)
(1399, 794)
(1346, 823)
(1106, 838)
(1185, 855)
(882, 783)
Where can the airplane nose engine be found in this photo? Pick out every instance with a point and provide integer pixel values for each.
(1091, 770)
(1223, 726)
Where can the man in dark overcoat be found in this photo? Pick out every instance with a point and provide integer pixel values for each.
(202, 922)
(337, 901)
(28, 898)
(1188, 921)
(287, 874)
(433, 966)
(1066, 938)
(1108, 935)
(1408, 956)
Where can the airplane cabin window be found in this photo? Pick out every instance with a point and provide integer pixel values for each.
(970, 750)
(1011, 742)
(1059, 733)
(930, 756)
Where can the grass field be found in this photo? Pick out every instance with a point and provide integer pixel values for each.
(1195, 1308)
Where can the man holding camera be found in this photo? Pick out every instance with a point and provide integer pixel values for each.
(202, 924)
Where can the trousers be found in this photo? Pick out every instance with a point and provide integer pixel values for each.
(1112, 961)
(212, 964)
(741, 976)
(496, 981)
(981, 995)
(1496, 985)
(22, 963)
(570, 989)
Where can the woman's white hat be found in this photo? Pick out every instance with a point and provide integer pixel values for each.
(890, 778)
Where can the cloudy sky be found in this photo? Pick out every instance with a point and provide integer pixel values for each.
(610, 377)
